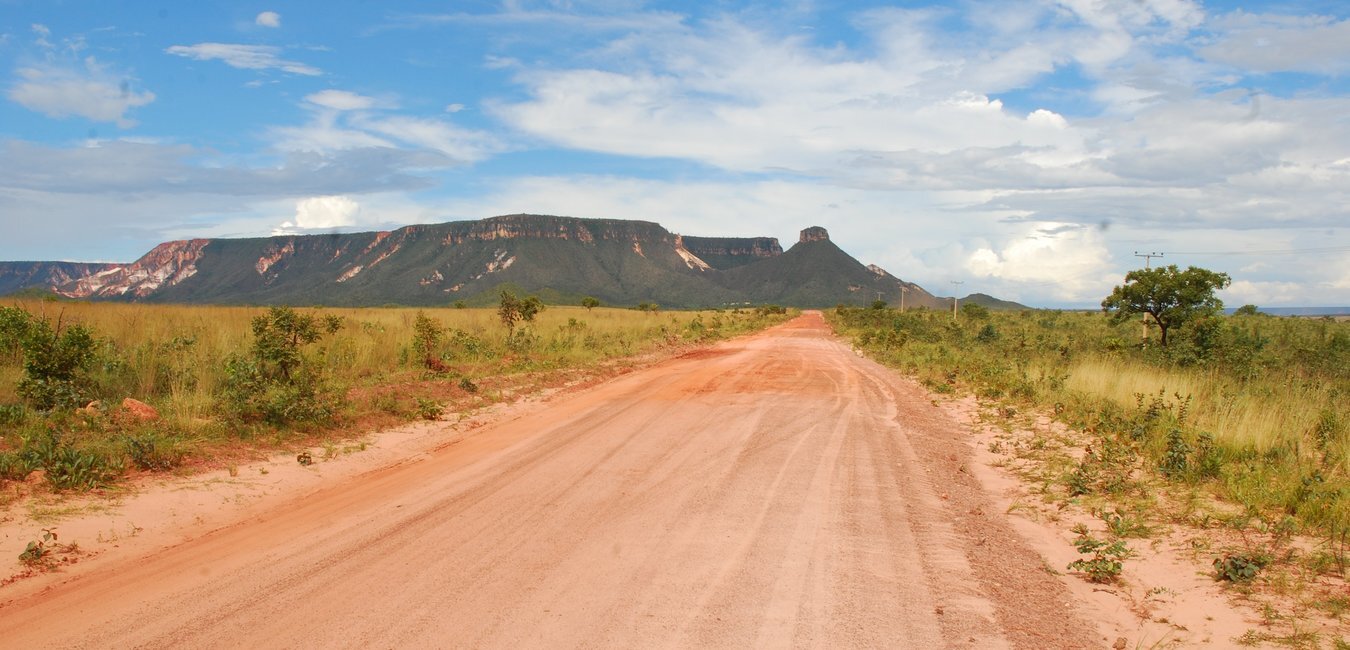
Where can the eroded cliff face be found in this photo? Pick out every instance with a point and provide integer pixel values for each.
(533, 226)
(166, 265)
(755, 247)
(17, 276)
(814, 233)
(728, 252)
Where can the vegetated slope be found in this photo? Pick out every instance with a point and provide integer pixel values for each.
(616, 261)
(817, 273)
(986, 300)
(17, 276)
(562, 259)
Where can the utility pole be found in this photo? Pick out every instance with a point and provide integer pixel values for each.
(903, 290)
(1148, 257)
(957, 284)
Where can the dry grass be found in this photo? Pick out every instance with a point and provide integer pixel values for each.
(174, 357)
(1255, 419)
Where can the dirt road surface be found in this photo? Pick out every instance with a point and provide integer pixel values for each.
(775, 491)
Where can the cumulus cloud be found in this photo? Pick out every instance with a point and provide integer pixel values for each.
(268, 19)
(91, 90)
(246, 57)
(1071, 260)
(1247, 292)
(322, 213)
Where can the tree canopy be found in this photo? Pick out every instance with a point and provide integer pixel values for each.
(1170, 296)
(513, 310)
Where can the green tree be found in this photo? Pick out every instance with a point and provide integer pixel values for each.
(1247, 310)
(878, 304)
(513, 310)
(975, 312)
(1168, 295)
(590, 302)
(280, 335)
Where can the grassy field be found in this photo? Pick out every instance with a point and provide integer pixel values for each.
(1255, 409)
(1236, 436)
(219, 382)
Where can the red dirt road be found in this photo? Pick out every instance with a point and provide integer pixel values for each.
(775, 491)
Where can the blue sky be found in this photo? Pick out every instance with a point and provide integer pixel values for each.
(1025, 148)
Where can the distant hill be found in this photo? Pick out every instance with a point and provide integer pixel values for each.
(562, 259)
(17, 276)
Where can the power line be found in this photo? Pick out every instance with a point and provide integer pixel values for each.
(1148, 257)
(1271, 251)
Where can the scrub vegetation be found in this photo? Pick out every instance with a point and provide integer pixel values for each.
(1235, 436)
(233, 380)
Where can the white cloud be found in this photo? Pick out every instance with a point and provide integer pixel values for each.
(341, 100)
(1072, 261)
(344, 120)
(1274, 43)
(1246, 292)
(268, 19)
(322, 213)
(91, 91)
(246, 57)
(116, 199)
(458, 143)
(454, 108)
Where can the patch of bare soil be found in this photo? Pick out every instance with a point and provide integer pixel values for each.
(1167, 595)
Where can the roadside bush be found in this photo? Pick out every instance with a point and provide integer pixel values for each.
(56, 364)
(151, 451)
(427, 336)
(282, 382)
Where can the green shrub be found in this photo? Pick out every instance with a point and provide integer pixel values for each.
(279, 383)
(427, 336)
(56, 364)
(1105, 560)
(153, 451)
(12, 414)
(1239, 567)
(429, 409)
(67, 467)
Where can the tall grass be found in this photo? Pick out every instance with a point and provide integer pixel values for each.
(175, 358)
(1256, 408)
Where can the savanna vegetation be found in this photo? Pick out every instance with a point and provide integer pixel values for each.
(228, 380)
(1240, 423)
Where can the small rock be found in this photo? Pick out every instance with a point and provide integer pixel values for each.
(1120, 643)
(36, 476)
(139, 410)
